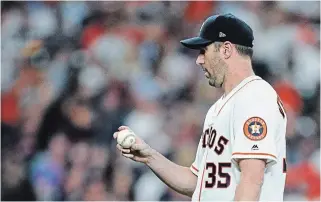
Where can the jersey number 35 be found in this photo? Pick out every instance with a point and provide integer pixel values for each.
(217, 171)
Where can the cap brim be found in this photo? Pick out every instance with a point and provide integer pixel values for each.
(196, 43)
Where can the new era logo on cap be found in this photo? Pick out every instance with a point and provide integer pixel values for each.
(255, 147)
(221, 34)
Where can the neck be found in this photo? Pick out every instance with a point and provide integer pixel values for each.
(236, 75)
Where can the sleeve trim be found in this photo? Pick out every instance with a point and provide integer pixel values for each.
(194, 170)
(271, 159)
(261, 154)
(192, 166)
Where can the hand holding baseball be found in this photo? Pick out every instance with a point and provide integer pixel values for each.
(131, 146)
(126, 138)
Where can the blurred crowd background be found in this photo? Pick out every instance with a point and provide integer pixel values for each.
(73, 72)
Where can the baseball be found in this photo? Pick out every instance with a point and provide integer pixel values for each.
(126, 138)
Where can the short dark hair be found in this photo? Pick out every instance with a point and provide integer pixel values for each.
(242, 50)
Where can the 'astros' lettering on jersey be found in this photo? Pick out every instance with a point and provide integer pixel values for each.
(247, 123)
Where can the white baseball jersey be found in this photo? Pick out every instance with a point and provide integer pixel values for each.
(249, 122)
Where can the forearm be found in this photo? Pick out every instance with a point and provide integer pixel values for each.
(177, 177)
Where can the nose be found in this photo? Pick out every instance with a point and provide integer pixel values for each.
(200, 59)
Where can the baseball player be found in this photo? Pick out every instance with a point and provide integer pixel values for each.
(241, 153)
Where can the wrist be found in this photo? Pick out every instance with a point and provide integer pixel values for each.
(151, 158)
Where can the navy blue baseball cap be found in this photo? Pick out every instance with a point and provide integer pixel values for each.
(220, 28)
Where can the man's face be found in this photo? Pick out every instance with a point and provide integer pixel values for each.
(213, 65)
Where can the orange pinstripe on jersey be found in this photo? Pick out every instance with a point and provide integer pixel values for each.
(201, 186)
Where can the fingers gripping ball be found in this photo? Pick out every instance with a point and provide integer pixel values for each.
(126, 138)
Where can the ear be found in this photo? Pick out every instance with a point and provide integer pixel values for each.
(227, 49)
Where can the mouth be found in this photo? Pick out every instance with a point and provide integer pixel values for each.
(206, 73)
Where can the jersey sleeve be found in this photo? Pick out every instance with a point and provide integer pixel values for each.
(255, 128)
(198, 158)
